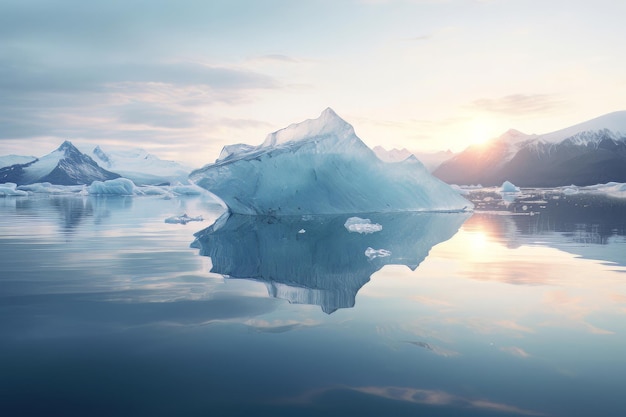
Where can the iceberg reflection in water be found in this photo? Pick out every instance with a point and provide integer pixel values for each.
(315, 259)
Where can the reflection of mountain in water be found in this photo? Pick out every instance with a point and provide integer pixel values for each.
(315, 259)
(591, 231)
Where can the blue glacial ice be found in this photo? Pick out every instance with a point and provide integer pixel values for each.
(320, 166)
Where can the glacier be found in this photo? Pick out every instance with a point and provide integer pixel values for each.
(141, 167)
(320, 166)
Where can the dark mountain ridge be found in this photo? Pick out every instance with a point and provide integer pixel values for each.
(64, 166)
(589, 153)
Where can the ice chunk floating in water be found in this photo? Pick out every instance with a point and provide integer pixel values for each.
(118, 186)
(184, 219)
(320, 166)
(359, 225)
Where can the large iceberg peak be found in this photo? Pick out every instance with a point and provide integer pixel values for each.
(327, 125)
(320, 166)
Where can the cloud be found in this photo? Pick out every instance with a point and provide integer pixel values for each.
(156, 116)
(105, 100)
(517, 104)
(277, 57)
(419, 38)
(243, 123)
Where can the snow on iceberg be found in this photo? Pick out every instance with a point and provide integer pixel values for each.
(359, 225)
(320, 166)
(118, 186)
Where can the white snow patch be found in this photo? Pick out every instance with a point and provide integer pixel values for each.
(359, 225)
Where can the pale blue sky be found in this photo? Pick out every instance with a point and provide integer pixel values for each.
(183, 78)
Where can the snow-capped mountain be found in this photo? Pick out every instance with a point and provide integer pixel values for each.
(588, 153)
(8, 160)
(392, 155)
(431, 160)
(320, 166)
(140, 166)
(64, 166)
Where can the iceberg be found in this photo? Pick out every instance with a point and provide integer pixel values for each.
(9, 189)
(320, 166)
(118, 186)
(508, 187)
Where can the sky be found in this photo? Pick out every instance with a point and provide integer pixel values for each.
(183, 78)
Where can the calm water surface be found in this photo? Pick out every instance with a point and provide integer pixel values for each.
(106, 310)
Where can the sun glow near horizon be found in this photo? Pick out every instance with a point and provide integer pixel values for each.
(480, 130)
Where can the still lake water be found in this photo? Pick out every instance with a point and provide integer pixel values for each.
(106, 310)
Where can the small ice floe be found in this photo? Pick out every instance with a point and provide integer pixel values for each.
(359, 225)
(508, 187)
(570, 190)
(301, 231)
(48, 188)
(184, 219)
(612, 189)
(8, 189)
(372, 253)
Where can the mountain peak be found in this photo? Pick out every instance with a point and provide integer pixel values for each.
(615, 122)
(514, 135)
(66, 145)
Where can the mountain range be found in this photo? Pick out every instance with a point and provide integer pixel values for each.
(64, 166)
(67, 165)
(588, 153)
(431, 160)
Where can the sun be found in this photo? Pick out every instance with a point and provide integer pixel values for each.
(480, 131)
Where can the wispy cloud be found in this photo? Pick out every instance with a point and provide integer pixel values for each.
(277, 58)
(517, 104)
